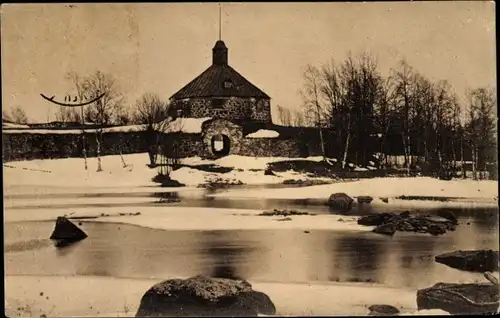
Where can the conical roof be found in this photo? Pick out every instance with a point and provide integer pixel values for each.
(219, 80)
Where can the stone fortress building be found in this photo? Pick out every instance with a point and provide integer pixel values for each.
(222, 92)
(234, 109)
(221, 113)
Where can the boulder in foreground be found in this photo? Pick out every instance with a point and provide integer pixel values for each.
(460, 299)
(66, 232)
(204, 296)
(340, 202)
(474, 261)
(383, 310)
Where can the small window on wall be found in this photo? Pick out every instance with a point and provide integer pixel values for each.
(217, 103)
(218, 142)
(228, 84)
(260, 106)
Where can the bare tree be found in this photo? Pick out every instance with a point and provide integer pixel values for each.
(284, 116)
(312, 103)
(18, 115)
(402, 95)
(103, 111)
(68, 114)
(152, 112)
(6, 116)
(481, 127)
(77, 81)
(298, 119)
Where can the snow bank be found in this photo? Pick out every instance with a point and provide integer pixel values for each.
(70, 172)
(263, 133)
(67, 175)
(165, 217)
(383, 187)
(92, 296)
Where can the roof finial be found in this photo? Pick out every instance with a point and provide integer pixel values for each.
(220, 22)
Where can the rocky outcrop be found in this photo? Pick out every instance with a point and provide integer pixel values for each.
(383, 310)
(269, 172)
(277, 212)
(460, 299)
(386, 229)
(65, 232)
(340, 202)
(448, 215)
(305, 183)
(389, 223)
(364, 199)
(474, 261)
(375, 219)
(204, 297)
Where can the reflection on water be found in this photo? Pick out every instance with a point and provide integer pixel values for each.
(407, 259)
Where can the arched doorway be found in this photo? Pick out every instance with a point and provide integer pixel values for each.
(220, 145)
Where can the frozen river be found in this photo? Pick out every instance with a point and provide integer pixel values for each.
(273, 255)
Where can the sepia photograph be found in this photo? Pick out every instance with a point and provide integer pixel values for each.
(225, 159)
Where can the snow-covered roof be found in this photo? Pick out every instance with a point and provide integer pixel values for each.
(184, 125)
(13, 125)
(263, 133)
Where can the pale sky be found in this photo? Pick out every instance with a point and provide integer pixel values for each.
(161, 47)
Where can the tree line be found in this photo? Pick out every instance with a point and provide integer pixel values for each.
(360, 112)
(404, 114)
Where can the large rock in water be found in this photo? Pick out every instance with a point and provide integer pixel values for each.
(340, 202)
(448, 215)
(204, 296)
(460, 299)
(386, 229)
(66, 232)
(364, 199)
(383, 310)
(375, 219)
(474, 261)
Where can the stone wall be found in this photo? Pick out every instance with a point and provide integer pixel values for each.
(261, 111)
(270, 147)
(214, 127)
(233, 108)
(185, 145)
(28, 146)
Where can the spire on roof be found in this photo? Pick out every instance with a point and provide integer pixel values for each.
(219, 53)
(220, 50)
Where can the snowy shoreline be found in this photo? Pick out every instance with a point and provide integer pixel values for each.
(120, 297)
(185, 219)
(67, 174)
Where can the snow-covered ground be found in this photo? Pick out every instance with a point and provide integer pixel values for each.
(70, 172)
(67, 175)
(92, 296)
(189, 218)
(466, 190)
